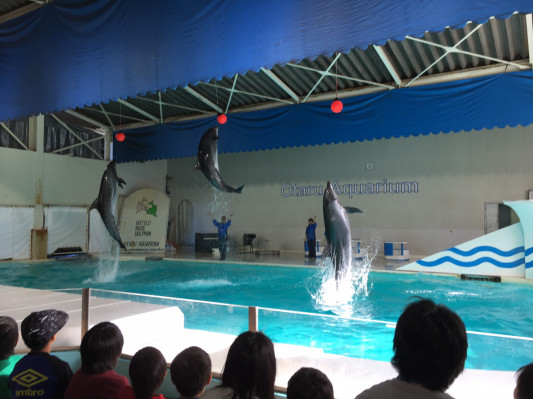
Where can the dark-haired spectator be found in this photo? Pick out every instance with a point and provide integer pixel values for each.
(430, 347)
(524, 382)
(249, 371)
(147, 370)
(9, 336)
(309, 383)
(39, 331)
(100, 349)
(190, 372)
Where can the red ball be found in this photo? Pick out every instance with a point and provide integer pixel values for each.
(222, 118)
(120, 136)
(336, 106)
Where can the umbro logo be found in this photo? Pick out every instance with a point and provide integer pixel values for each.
(29, 378)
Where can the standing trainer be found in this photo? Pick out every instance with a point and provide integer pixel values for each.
(311, 238)
(222, 234)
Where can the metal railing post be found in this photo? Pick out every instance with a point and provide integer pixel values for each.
(85, 295)
(253, 320)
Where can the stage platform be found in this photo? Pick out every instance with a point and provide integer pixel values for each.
(144, 324)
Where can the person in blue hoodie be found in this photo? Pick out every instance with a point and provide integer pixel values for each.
(222, 226)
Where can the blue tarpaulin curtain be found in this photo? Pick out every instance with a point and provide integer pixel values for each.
(487, 102)
(71, 53)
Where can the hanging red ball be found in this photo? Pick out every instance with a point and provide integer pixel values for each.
(222, 118)
(120, 136)
(336, 106)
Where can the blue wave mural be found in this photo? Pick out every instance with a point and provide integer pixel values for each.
(486, 248)
(477, 262)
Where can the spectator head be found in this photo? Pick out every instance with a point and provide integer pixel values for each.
(190, 372)
(100, 348)
(429, 345)
(9, 336)
(524, 382)
(250, 368)
(309, 383)
(39, 328)
(147, 370)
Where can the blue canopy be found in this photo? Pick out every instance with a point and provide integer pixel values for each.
(487, 102)
(72, 53)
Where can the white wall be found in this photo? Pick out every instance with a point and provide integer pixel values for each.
(67, 182)
(457, 174)
(16, 177)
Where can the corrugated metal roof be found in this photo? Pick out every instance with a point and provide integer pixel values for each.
(497, 46)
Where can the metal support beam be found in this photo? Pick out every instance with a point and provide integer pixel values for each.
(13, 135)
(334, 75)
(138, 110)
(21, 11)
(232, 91)
(385, 59)
(78, 144)
(161, 119)
(456, 50)
(107, 117)
(194, 93)
(445, 54)
(202, 111)
(323, 75)
(87, 119)
(122, 117)
(281, 84)
(82, 142)
(249, 93)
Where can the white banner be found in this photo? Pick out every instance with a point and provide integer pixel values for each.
(144, 220)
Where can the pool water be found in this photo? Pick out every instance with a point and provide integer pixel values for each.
(365, 330)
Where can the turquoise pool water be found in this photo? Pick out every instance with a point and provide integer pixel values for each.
(365, 331)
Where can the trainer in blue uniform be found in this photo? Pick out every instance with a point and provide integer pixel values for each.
(311, 238)
(222, 234)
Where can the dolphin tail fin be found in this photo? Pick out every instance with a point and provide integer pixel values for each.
(239, 189)
(120, 182)
(94, 205)
(351, 209)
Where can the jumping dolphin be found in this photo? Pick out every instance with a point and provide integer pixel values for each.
(208, 161)
(106, 201)
(338, 235)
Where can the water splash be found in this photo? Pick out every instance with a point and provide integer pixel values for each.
(107, 269)
(344, 297)
(205, 284)
(220, 203)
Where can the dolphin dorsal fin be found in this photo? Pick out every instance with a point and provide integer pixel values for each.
(94, 205)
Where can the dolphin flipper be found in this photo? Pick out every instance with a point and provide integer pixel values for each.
(352, 209)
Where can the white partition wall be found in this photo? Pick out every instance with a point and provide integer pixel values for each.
(15, 234)
(67, 227)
